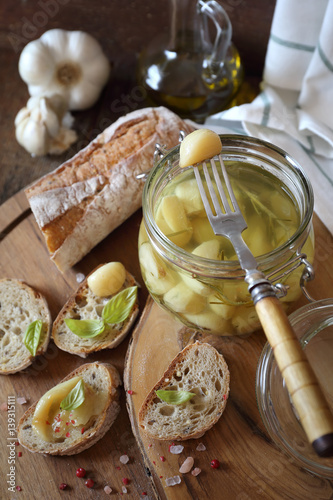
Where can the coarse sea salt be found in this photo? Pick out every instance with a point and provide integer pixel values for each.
(80, 277)
(124, 489)
(201, 447)
(196, 471)
(186, 465)
(172, 481)
(124, 459)
(107, 490)
(21, 400)
(175, 450)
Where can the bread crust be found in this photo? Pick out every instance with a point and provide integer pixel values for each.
(168, 378)
(36, 308)
(88, 196)
(69, 342)
(92, 435)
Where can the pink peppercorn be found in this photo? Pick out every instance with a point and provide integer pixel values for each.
(80, 472)
(125, 480)
(215, 464)
(63, 486)
(89, 483)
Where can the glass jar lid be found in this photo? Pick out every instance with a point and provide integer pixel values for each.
(313, 325)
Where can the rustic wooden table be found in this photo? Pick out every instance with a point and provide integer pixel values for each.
(123, 28)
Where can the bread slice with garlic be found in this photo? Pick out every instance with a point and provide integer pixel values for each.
(25, 325)
(54, 425)
(87, 306)
(195, 389)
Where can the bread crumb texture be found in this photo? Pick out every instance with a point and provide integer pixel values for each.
(20, 305)
(199, 369)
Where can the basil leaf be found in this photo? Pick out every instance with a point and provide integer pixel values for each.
(74, 398)
(85, 328)
(175, 397)
(119, 307)
(32, 336)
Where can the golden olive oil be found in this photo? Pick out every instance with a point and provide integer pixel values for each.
(268, 208)
(184, 85)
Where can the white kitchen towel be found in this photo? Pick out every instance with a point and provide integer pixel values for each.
(295, 107)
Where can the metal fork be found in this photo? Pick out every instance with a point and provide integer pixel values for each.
(301, 382)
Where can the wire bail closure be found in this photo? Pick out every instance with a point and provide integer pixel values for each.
(308, 274)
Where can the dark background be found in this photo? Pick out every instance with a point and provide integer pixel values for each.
(123, 28)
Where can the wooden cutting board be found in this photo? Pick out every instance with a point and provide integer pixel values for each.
(23, 255)
(251, 466)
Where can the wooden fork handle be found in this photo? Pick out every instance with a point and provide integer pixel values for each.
(301, 381)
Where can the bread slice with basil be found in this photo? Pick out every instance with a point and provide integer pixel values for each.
(25, 325)
(194, 392)
(84, 305)
(98, 391)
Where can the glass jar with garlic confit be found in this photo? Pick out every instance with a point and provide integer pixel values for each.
(195, 274)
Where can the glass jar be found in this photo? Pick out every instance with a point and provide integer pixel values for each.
(313, 325)
(209, 294)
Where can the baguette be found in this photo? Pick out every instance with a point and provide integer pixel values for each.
(103, 379)
(88, 196)
(20, 305)
(84, 304)
(199, 369)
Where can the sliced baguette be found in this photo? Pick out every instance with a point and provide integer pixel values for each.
(88, 196)
(20, 305)
(84, 304)
(200, 369)
(100, 377)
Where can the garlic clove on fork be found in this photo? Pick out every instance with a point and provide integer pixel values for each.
(199, 145)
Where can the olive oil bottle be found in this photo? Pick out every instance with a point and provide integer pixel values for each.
(196, 70)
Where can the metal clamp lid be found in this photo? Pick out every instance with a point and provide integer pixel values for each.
(308, 274)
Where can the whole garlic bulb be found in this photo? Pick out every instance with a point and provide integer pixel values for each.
(68, 63)
(42, 126)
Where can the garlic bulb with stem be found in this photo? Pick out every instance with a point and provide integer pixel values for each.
(69, 63)
(43, 126)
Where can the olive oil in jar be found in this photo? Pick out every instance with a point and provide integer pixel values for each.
(195, 274)
(269, 210)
